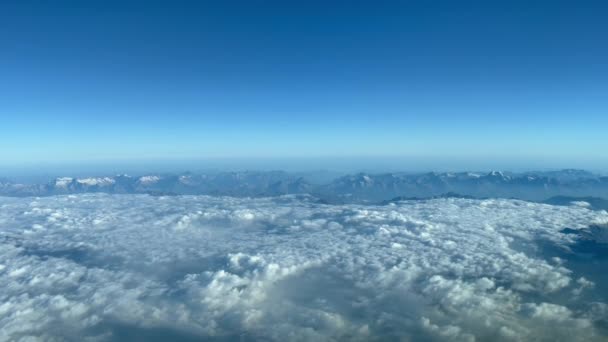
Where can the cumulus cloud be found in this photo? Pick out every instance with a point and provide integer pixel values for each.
(102, 267)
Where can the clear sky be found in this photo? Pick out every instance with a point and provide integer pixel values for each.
(96, 81)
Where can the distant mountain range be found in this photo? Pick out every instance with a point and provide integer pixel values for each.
(355, 188)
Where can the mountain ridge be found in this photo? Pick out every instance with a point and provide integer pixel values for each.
(359, 187)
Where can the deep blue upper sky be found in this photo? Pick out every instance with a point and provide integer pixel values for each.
(150, 80)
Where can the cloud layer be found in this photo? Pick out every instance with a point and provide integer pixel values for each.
(138, 267)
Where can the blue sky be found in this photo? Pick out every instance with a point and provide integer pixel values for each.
(116, 81)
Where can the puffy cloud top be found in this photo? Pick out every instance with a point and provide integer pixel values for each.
(125, 267)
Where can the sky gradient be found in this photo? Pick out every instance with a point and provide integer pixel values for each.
(115, 81)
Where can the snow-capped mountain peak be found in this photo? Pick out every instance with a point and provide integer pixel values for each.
(101, 181)
(63, 182)
(146, 180)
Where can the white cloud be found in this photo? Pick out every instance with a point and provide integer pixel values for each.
(102, 267)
